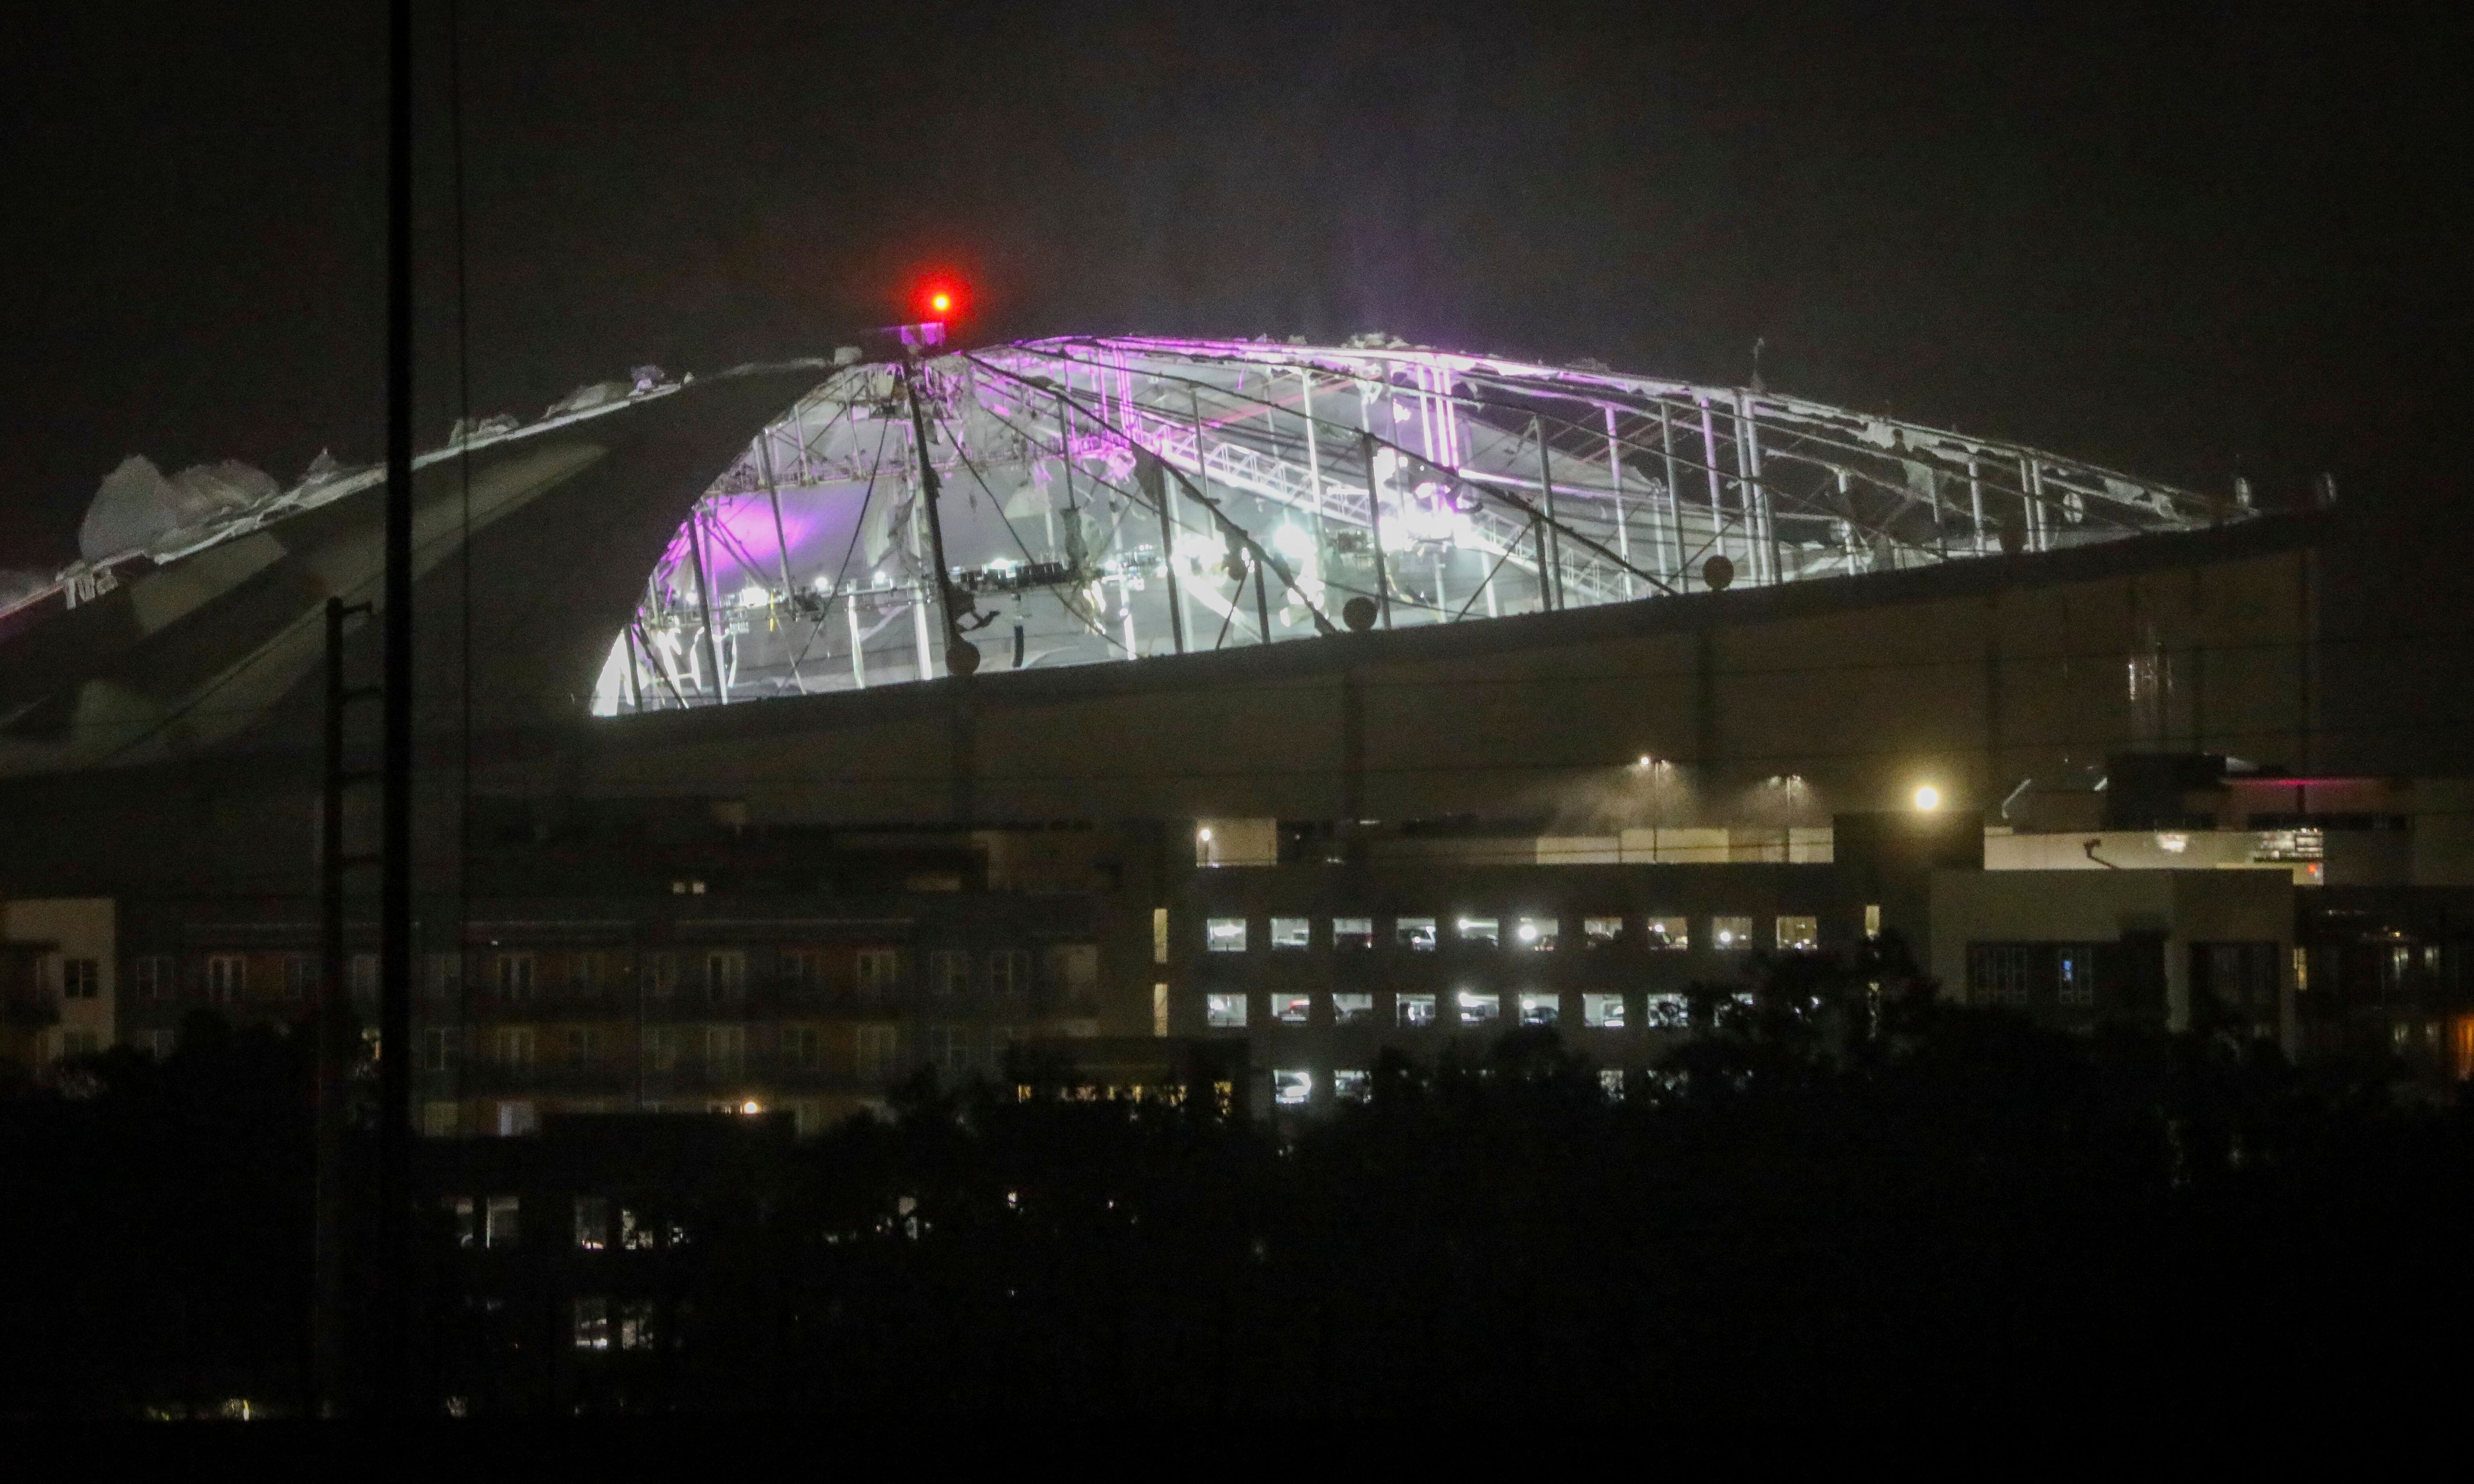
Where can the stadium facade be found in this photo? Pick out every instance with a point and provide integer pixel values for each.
(786, 729)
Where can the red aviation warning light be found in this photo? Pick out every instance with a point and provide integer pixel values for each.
(940, 301)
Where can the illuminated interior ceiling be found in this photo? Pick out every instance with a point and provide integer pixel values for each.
(1114, 498)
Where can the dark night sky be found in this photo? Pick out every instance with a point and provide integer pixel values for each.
(2184, 240)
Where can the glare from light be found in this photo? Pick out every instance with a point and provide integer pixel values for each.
(1292, 542)
(1204, 835)
(753, 596)
(1528, 933)
(1928, 797)
(751, 1105)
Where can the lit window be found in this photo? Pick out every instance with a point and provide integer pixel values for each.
(1604, 1012)
(517, 1118)
(1223, 1012)
(593, 1324)
(1225, 934)
(1290, 931)
(1540, 1009)
(501, 1223)
(1479, 930)
(1537, 933)
(1415, 1010)
(512, 1047)
(1670, 934)
(1159, 935)
(1872, 919)
(1666, 1012)
(1610, 1082)
(2075, 967)
(1417, 934)
(1349, 1010)
(636, 1325)
(1478, 1010)
(1292, 1089)
(1291, 1009)
(459, 1218)
(592, 1223)
(949, 972)
(1730, 935)
(1353, 933)
(1799, 934)
(1351, 1085)
(1601, 932)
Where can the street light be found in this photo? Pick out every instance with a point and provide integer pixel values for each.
(1928, 797)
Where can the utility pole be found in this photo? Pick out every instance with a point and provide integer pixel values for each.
(394, 888)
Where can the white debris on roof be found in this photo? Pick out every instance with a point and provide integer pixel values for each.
(592, 395)
(137, 507)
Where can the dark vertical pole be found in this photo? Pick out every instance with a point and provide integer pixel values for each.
(1262, 600)
(705, 601)
(1550, 546)
(929, 491)
(395, 851)
(1374, 526)
(335, 1024)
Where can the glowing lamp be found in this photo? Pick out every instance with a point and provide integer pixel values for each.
(751, 1107)
(1928, 797)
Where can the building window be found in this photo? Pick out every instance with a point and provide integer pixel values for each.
(636, 1325)
(592, 1223)
(514, 972)
(1799, 934)
(593, 1324)
(1159, 935)
(1291, 1009)
(1349, 1010)
(1872, 919)
(661, 1049)
(949, 973)
(1291, 932)
(1223, 1012)
(879, 970)
(877, 1049)
(1479, 930)
(151, 978)
(1476, 1008)
(801, 971)
(1998, 973)
(1610, 1083)
(949, 1049)
(438, 1047)
(1537, 933)
(1666, 1012)
(583, 1046)
(1540, 1008)
(1351, 1084)
(2075, 976)
(227, 978)
(1730, 935)
(1010, 972)
(1413, 1010)
(1224, 935)
(459, 1218)
(439, 1121)
(443, 975)
(1414, 934)
(725, 1051)
(1159, 1010)
(1668, 933)
(157, 1043)
(726, 976)
(514, 1047)
(1601, 932)
(1292, 1089)
(1350, 935)
(80, 1043)
(365, 978)
(583, 976)
(517, 1118)
(502, 1222)
(81, 979)
(1603, 1011)
(804, 1047)
(661, 975)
